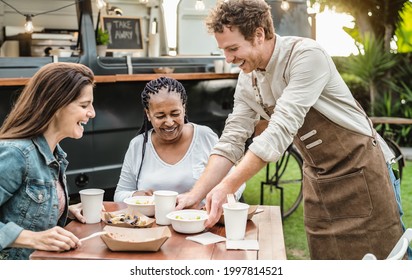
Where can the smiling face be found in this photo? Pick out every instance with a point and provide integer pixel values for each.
(248, 55)
(166, 114)
(69, 120)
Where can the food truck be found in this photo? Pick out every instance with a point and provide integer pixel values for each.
(147, 39)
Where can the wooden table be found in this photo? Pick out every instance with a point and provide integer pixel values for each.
(266, 227)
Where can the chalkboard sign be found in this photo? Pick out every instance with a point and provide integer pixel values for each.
(125, 33)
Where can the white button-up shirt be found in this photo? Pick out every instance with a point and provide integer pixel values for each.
(300, 74)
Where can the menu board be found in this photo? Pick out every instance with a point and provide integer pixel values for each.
(125, 33)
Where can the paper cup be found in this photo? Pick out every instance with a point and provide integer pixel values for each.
(165, 202)
(235, 217)
(218, 66)
(92, 201)
(154, 45)
(227, 67)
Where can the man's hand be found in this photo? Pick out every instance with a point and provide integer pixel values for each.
(214, 201)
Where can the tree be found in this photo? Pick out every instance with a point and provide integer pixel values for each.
(404, 31)
(375, 25)
(380, 17)
(372, 66)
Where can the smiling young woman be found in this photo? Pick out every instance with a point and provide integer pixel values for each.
(55, 104)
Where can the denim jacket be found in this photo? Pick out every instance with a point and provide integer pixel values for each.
(28, 194)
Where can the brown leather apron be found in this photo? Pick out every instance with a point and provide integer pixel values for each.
(349, 202)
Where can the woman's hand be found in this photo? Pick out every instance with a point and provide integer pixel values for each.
(143, 193)
(54, 239)
(75, 212)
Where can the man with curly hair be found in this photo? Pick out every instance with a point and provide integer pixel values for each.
(351, 196)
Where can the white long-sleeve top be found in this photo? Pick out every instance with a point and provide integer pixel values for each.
(159, 175)
(299, 75)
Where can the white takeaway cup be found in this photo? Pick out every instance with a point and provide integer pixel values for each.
(219, 64)
(235, 216)
(165, 202)
(227, 67)
(92, 201)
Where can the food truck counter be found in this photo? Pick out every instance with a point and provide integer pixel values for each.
(96, 159)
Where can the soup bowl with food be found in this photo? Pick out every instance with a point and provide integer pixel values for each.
(142, 204)
(188, 220)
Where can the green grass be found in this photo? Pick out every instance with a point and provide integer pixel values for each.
(406, 194)
(294, 232)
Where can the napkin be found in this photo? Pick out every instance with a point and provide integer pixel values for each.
(242, 245)
(206, 238)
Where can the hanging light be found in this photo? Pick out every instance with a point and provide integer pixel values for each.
(28, 26)
(284, 5)
(200, 5)
(100, 4)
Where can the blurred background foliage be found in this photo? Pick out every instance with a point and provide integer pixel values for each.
(380, 75)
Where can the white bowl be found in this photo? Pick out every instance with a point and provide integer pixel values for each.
(142, 204)
(188, 220)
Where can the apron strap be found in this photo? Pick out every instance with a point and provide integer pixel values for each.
(368, 119)
(290, 55)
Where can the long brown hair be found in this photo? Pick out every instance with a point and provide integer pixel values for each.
(53, 87)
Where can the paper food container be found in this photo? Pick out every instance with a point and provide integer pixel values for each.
(135, 239)
(251, 211)
(122, 218)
